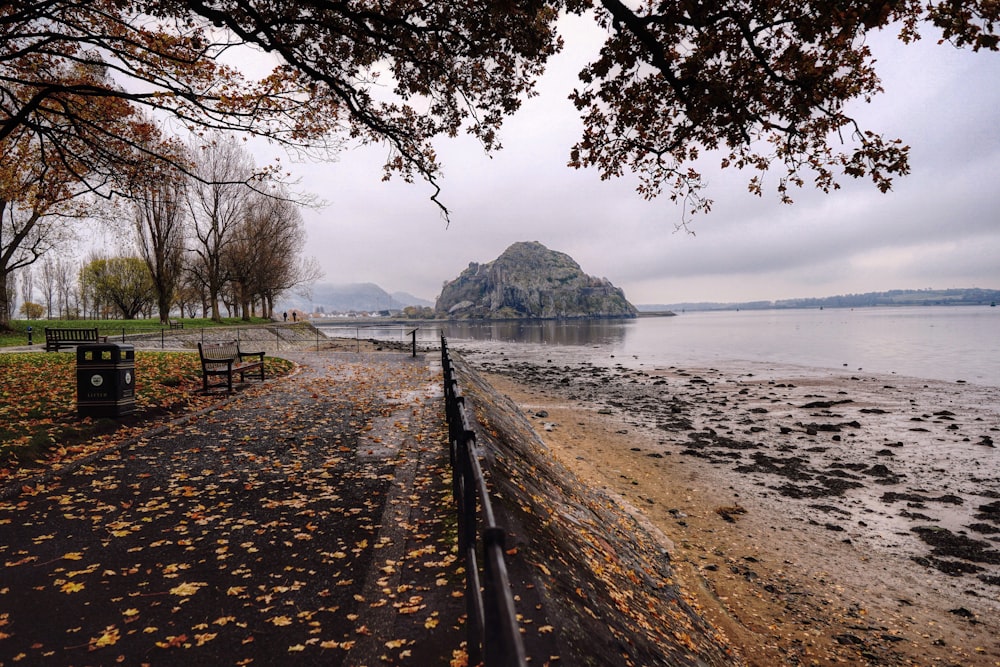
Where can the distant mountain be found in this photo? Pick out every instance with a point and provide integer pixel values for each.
(353, 297)
(409, 300)
(528, 280)
(926, 297)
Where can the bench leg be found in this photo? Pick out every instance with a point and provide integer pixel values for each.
(206, 385)
(243, 374)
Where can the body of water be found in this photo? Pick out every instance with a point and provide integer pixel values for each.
(942, 343)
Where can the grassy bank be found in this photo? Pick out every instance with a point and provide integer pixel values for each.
(18, 332)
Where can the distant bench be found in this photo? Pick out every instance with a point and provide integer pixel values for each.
(225, 359)
(175, 324)
(57, 338)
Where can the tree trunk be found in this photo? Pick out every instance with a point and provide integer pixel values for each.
(213, 298)
(163, 306)
(4, 301)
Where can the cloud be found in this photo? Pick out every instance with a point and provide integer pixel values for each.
(937, 228)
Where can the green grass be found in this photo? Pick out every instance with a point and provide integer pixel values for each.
(18, 333)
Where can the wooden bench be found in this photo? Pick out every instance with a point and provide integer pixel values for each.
(175, 324)
(57, 338)
(226, 359)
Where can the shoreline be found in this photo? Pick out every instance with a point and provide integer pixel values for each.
(817, 517)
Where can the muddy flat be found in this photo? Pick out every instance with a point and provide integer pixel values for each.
(821, 516)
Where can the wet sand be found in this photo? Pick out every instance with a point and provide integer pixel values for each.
(819, 517)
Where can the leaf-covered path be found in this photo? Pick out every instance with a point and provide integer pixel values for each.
(306, 521)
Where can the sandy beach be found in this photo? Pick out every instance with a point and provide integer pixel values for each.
(817, 516)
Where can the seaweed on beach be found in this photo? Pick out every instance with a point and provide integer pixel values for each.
(989, 512)
(948, 544)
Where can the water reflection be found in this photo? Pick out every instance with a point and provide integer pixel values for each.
(609, 332)
(606, 332)
(945, 343)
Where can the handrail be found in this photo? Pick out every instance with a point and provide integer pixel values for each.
(494, 638)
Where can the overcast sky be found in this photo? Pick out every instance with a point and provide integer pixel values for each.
(938, 228)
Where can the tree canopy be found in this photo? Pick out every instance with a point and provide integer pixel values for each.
(762, 82)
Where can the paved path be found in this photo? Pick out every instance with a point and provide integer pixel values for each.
(305, 521)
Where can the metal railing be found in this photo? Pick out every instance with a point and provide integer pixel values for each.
(267, 337)
(392, 333)
(494, 638)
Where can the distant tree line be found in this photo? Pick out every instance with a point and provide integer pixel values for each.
(926, 297)
(972, 296)
(419, 313)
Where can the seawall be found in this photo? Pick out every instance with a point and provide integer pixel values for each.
(595, 586)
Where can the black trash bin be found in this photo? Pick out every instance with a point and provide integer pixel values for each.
(105, 380)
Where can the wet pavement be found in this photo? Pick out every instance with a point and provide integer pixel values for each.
(304, 521)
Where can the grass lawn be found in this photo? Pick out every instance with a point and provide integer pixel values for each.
(38, 416)
(18, 334)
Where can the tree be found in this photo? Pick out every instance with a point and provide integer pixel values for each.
(160, 57)
(32, 310)
(418, 313)
(121, 282)
(280, 265)
(27, 285)
(44, 185)
(761, 82)
(159, 208)
(190, 294)
(262, 258)
(48, 276)
(65, 270)
(9, 297)
(217, 199)
(460, 63)
(33, 206)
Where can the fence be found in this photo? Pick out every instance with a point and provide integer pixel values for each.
(267, 337)
(391, 333)
(494, 638)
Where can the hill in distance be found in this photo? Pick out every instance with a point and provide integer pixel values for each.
(925, 297)
(354, 297)
(530, 281)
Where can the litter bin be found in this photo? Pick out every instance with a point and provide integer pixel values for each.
(105, 380)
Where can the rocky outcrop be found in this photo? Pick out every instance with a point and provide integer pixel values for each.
(530, 281)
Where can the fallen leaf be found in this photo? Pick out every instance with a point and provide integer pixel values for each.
(110, 637)
(187, 589)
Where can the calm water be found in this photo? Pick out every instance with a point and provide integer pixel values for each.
(944, 343)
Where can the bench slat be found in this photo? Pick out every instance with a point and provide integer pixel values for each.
(56, 338)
